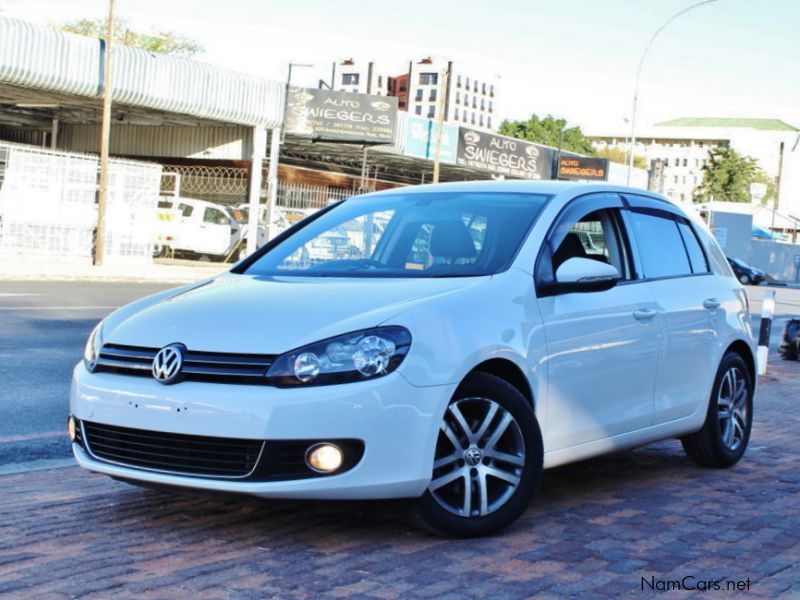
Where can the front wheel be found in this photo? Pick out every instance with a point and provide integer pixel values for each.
(744, 279)
(726, 431)
(488, 460)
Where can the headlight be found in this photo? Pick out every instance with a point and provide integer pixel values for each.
(93, 345)
(351, 357)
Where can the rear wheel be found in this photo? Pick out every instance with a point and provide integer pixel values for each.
(488, 460)
(723, 439)
(745, 279)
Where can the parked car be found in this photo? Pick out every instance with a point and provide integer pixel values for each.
(473, 342)
(198, 227)
(745, 273)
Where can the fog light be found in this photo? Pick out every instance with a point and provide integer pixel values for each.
(324, 458)
(71, 428)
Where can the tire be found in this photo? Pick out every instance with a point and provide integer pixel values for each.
(500, 460)
(159, 251)
(744, 279)
(715, 445)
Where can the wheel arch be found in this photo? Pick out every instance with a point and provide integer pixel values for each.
(743, 349)
(508, 371)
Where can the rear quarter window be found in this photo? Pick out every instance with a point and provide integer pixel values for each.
(716, 257)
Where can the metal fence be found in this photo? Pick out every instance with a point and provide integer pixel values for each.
(47, 205)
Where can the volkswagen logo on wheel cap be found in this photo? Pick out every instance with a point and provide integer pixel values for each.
(167, 363)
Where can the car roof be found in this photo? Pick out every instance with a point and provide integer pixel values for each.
(549, 187)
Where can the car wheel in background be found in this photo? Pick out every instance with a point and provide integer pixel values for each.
(488, 460)
(744, 279)
(723, 439)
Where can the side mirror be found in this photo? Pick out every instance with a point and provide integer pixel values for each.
(585, 275)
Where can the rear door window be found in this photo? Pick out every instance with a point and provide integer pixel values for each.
(661, 247)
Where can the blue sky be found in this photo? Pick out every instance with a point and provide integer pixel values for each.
(570, 58)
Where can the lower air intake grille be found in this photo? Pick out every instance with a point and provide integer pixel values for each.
(173, 452)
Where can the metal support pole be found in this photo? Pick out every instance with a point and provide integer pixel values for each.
(105, 131)
(272, 181)
(54, 132)
(363, 184)
(440, 124)
(254, 193)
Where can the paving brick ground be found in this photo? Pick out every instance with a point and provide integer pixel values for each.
(595, 530)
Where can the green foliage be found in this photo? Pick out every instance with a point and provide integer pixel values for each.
(546, 131)
(728, 175)
(618, 155)
(162, 42)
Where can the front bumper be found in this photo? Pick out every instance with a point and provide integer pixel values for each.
(397, 422)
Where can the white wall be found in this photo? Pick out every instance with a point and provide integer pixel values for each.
(618, 175)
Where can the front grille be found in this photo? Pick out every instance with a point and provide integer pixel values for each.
(172, 452)
(197, 366)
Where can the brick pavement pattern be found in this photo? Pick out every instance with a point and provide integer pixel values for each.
(595, 529)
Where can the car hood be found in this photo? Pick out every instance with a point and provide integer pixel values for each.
(271, 315)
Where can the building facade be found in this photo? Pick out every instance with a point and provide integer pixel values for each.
(470, 100)
(682, 147)
(360, 78)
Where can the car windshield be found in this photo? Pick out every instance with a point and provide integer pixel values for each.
(437, 234)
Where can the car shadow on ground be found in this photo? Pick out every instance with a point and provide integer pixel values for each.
(600, 482)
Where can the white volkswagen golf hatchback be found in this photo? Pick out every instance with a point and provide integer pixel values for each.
(444, 343)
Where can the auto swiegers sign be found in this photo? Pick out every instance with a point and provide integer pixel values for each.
(341, 116)
(583, 167)
(503, 155)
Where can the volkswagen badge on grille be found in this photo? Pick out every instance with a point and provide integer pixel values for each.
(168, 362)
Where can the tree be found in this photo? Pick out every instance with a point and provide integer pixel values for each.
(162, 42)
(727, 177)
(618, 155)
(546, 131)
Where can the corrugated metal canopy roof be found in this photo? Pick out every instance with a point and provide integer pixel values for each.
(33, 56)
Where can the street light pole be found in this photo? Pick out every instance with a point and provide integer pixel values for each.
(105, 132)
(639, 74)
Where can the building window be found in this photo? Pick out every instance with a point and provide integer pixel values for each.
(458, 81)
(349, 78)
(428, 78)
(458, 97)
(481, 121)
(418, 109)
(491, 108)
(380, 80)
(432, 97)
(483, 104)
(489, 122)
(467, 85)
(674, 179)
(685, 162)
(483, 88)
(491, 90)
(677, 162)
(419, 95)
(401, 104)
(431, 112)
(455, 114)
(473, 119)
(474, 102)
(466, 99)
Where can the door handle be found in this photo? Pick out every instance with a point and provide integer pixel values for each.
(711, 303)
(644, 314)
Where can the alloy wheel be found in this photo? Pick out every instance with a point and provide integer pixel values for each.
(480, 457)
(732, 408)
